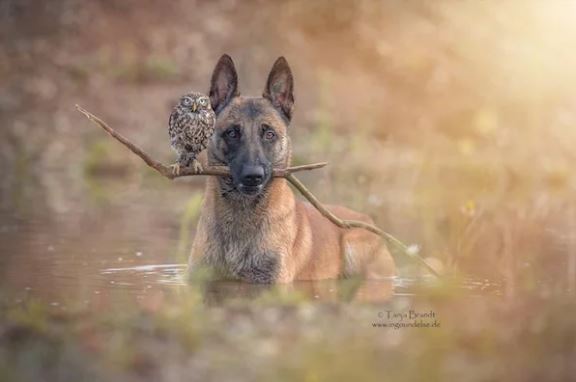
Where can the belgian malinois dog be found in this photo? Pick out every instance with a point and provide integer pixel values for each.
(251, 226)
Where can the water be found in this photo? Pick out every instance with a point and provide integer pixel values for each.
(67, 247)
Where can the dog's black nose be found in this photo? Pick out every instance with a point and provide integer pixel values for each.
(252, 175)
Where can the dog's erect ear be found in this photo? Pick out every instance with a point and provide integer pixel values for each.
(280, 87)
(224, 83)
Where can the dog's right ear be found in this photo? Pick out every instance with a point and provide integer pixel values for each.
(224, 83)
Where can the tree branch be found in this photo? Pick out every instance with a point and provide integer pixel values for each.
(357, 224)
(166, 171)
(287, 173)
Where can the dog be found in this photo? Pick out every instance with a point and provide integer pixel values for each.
(251, 226)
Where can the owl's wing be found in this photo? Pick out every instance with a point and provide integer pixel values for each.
(209, 119)
(178, 125)
(178, 122)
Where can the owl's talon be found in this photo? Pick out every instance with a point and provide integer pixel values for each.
(197, 167)
(175, 169)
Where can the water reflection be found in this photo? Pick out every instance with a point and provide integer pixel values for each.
(221, 291)
(170, 274)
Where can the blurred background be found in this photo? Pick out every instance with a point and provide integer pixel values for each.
(452, 123)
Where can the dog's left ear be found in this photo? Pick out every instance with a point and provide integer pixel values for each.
(280, 87)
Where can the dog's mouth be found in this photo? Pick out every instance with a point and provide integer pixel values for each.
(250, 190)
(229, 187)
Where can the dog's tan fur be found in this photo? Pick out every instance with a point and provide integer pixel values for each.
(274, 238)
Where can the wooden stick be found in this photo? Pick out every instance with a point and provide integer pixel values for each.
(357, 224)
(287, 173)
(166, 171)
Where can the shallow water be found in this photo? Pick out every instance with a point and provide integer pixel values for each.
(69, 248)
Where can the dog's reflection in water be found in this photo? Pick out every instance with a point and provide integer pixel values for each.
(346, 290)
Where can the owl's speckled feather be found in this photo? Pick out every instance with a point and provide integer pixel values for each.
(190, 127)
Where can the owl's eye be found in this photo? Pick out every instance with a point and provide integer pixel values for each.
(186, 101)
(204, 101)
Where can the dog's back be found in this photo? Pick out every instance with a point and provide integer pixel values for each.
(251, 227)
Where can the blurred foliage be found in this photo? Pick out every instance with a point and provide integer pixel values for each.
(286, 342)
(189, 217)
(151, 69)
(105, 156)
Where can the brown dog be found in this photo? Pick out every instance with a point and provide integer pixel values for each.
(251, 227)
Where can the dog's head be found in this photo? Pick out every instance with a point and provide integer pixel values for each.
(250, 135)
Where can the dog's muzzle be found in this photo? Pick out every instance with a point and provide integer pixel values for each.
(252, 179)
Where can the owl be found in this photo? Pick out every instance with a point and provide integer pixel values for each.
(190, 127)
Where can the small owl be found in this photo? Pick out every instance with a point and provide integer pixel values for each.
(190, 127)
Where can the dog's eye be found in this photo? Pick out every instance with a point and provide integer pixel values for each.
(269, 135)
(232, 133)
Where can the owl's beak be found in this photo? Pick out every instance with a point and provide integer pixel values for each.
(194, 107)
